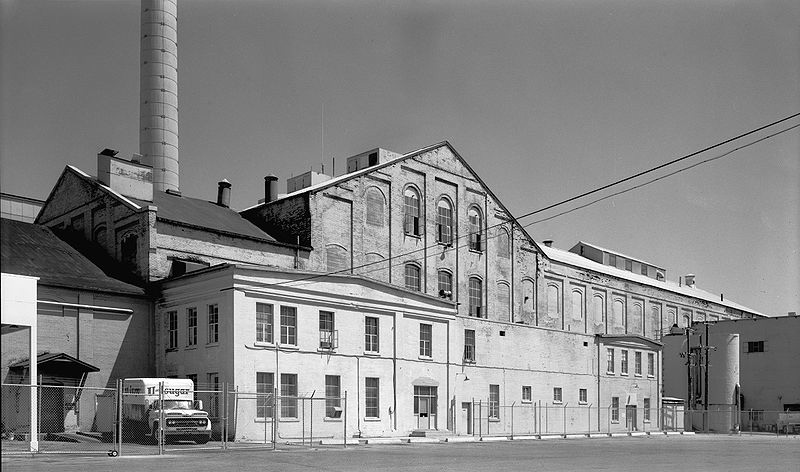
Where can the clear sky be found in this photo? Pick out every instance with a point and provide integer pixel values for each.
(545, 99)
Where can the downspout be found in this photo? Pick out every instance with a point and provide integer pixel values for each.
(394, 369)
(358, 395)
(598, 383)
(449, 401)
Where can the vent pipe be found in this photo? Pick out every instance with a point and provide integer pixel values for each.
(689, 280)
(158, 92)
(270, 188)
(224, 193)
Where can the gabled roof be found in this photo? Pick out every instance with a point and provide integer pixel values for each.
(576, 260)
(345, 177)
(58, 361)
(30, 249)
(200, 213)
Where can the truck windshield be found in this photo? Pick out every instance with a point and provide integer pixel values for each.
(175, 405)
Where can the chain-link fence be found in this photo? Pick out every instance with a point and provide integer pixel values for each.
(538, 419)
(69, 418)
(303, 420)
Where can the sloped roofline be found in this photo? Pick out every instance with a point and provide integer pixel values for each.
(345, 177)
(92, 181)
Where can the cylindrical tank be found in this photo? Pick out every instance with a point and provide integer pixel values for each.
(723, 377)
(158, 83)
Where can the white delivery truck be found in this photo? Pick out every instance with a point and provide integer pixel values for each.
(142, 409)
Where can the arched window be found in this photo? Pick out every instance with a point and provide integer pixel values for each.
(636, 318)
(337, 260)
(129, 248)
(412, 277)
(599, 307)
(618, 310)
(444, 222)
(375, 206)
(528, 296)
(445, 281)
(503, 246)
(476, 297)
(504, 301)
(553, 301)
(577, 311)
(475, 229)
(411, 225)
(100, 234)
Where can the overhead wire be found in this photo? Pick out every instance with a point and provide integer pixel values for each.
(565, 201)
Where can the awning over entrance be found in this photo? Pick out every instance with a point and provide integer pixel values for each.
(425, 382)
(59, 364)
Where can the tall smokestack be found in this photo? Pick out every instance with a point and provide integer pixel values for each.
(158, 83)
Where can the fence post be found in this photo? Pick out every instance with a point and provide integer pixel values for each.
(303, 421)
(480, 418)
(224, 415)
(565, 419)
(275, 414)
(512, 419)
(311, 426)
(344, 420)
(608, 418)
(161, 419)
(118, 418)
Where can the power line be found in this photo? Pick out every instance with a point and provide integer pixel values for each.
(571, 199)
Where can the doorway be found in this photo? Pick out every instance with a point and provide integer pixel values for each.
(425, 407)
(630, 418)
(466, 418)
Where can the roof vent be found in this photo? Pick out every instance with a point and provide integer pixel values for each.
(224, 193)
(548, 242)
(689, 279)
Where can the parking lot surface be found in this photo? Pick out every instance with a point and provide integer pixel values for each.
(698, 453)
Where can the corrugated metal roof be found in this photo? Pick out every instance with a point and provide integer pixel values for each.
(203, 214)
(30, 249)
(577, 260)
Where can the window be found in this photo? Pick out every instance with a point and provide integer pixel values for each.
(755, 346)
(326, 332)
(332, 394)
(193, 378)
(428, 394)
(213, 323)
(265, 389)
(128, 249)
(172, 331)
(526, 393)
(337, 258)
(612, 260)
(624, 363)
(615, 409)
(644, 269)
(288, 398)
(637, 363)
(476, 297)
(371, 397)
(610, 356)
(503, 301)
(444, 222)
(651, 364)
(629, 265)
(425, 339)
(646, 409)
(756, 416)
(191, 326)
(475, 230)
(411, 208)
(213, 385)
(412, 277)
(264, 323)
(100, 235)
(494, 401)
(371, 338)
(469, 345)
(288, 326)
(557, 395)
(445, 279)
(583, 396)
(503, 249)
(375, 204)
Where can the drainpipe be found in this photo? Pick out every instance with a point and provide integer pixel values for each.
(394, 368)
(447, 375)
(598, 384)
(358, 396)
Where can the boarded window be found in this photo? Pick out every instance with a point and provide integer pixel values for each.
(411, 223)
(503, 244)
(375, 206)
(553, 301)
(618, 309)
(577, 311)
(504, 301)
(337, 258)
